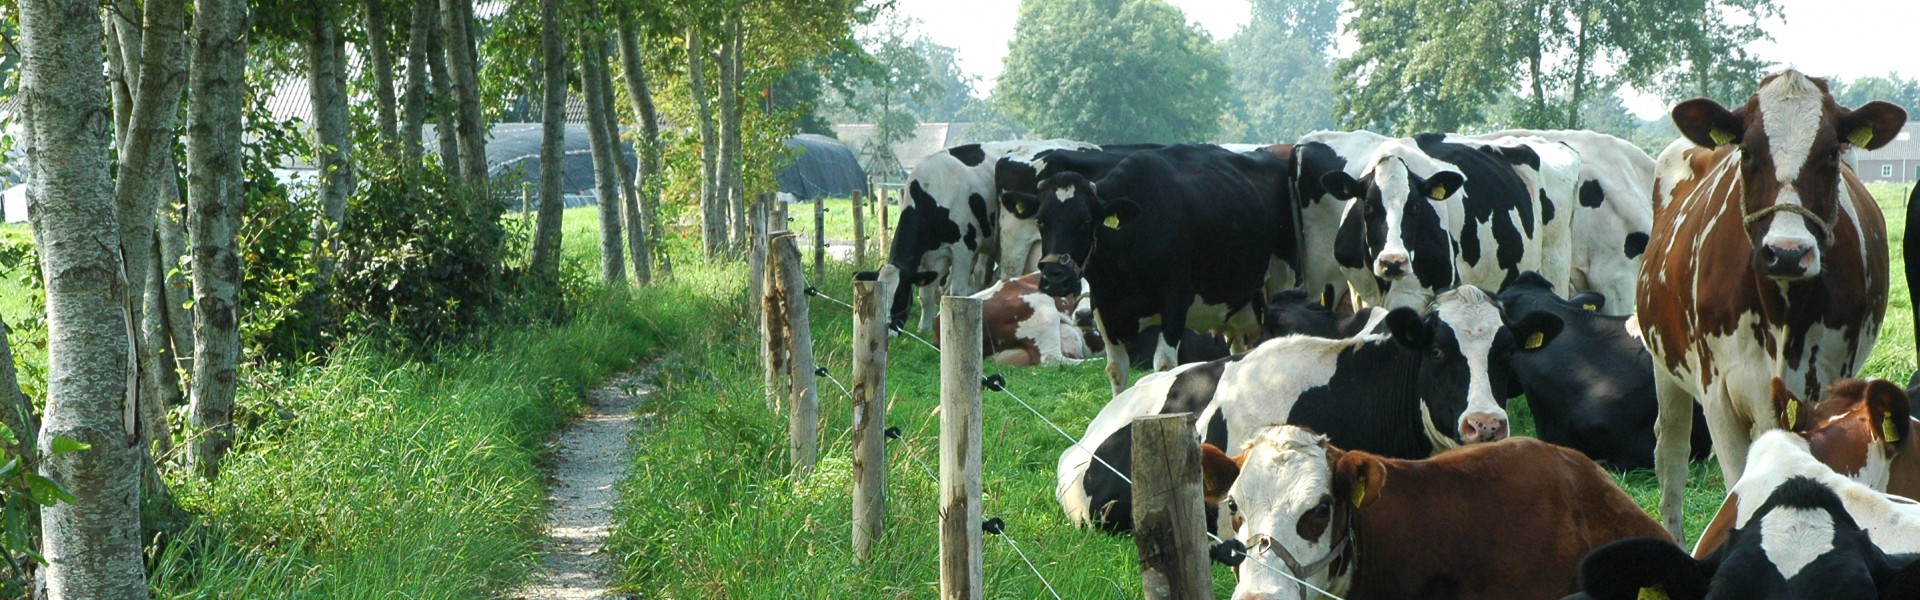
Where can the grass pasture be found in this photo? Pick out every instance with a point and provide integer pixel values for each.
(710, 512)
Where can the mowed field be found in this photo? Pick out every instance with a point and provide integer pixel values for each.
(710, 511)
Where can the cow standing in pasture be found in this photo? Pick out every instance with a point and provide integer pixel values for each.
(1321, 211)
(1182, 236)
(1022, 172)
(1768, 259)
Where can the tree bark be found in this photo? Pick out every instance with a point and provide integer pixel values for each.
(442, 103)
(1582, 51)
(457, 19)
(92, 544)
(713, 224)
(606, 183)
(172, 227)
(636, 239)
(736, 178)
(545, 262)
(333, 142)
(215, 200)
(421, 28)
(382, 58)
(728, 100)
(647, 146)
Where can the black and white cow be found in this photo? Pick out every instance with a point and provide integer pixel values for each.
(1423, 385)
(1321, 212)
(1592, 390)
(1613, 216)
(1296, 311)
(1182, 236)
(1910, 251)
(948, 224)
(1023, 172)
(1430, 215)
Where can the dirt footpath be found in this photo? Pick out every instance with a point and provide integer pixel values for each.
(591, 456)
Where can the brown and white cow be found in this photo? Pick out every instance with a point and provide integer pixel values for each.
(1021, 326)
(1507, 519)
(1892, 521)
(1768, 259)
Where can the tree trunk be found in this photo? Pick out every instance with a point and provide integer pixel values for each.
(172, 227)
(636, 239)
(118, 77)
(553, 131)
(415, 120)
(727, 103)
(333, 142)
(1582, 51)
(457, 19)
(647, 146)
(382, 58)
(215, 199)
(606, 183)
(92, 544)
(713, 224)
(442, 103)
(730, 99)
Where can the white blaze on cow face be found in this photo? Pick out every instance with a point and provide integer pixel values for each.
(1792, 110)
(1477, 325)
(1284, 477)
(1395, 260)
(1794, 537)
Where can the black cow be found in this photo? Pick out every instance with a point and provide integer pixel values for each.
(1801, 543)
(1910, 251)
(1592, 390)
(1295, 311)
(1166, 231)
(1194, 347)
(1020, 237)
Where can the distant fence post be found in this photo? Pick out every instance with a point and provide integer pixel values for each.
(819, 238)
(757, 249)
(869, 415)
(881, 198)
(960, 391)
(773, 322)
(1169, 517)
(859, 231)
(803, 403)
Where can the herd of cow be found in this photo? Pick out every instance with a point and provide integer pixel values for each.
(1383, 298)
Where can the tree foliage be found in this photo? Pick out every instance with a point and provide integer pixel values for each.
(1282, 77)
(1112, 71)
(1892, 88)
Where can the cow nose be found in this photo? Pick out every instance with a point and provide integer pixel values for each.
(1391, 265)
(1787, 258)
(1483, 427)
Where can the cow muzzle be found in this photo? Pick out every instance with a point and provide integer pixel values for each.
(1058, 276)
(1483, 427)
(1788, 260)
(1392, 265)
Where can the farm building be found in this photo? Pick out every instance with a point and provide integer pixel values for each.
(1896, 162)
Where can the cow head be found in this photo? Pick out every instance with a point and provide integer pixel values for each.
(1466, 369)
(1858, 430)
(1073, 218)
(1290, 497)
(1398, 226)
(1790, 137)
(923, 226)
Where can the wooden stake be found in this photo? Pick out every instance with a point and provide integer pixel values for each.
(869, 415)
(803, 404)
(960, 448)
(1169, 517)
(773, 326)
(859, 231)
(819, 238)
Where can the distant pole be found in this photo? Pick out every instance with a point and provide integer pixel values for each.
(859, 231)
(803, 404)
(757, 250)
(773, 323)
(960, 563)
(819, 238)
(885, 246)
(1169, 517)
(869, 415)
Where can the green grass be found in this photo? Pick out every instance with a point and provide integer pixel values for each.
(710, 511)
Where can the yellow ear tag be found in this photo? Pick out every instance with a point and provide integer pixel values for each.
(1793, 414)
(1652, 594)
(1887, 428)
(1589, 307)
(1861, 137)
(1112, 222)
(1535, 341)
(1720, 136)
(1359, 490)
(1437, 193)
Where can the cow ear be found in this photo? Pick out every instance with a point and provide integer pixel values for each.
(1118, 212)
(1536, 330)
(1407, 328)
(1340, 185)
(1789, 411)
(1020, 204)
(1443, 184)
(1888, 405)
(1589, 301)
(1218, 472)
(1359, 479)
(1873, 124)
(1643, 567)
(1708, 124)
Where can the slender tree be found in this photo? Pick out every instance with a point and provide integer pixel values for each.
(601, 142)
(442, 103)
(92, 543)
(378, 28)
(713, 218)
(629, 194)
(553, 131)
(217, 93)
(420, 36)
(728, 170)
(456, 17)
(646, 143)
(333, 142)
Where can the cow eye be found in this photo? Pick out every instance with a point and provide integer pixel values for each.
(1435, 353)
(1232, 507)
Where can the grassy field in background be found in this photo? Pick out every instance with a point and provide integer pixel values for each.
(710, 512)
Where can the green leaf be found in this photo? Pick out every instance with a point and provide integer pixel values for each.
(45, 492)
(63, 444)
(10, 469)
(6, 436)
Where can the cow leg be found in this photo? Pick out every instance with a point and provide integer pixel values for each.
(1732, 434)
(970, 271)
(1173, 326)
(1673, 429)
(929, 303)
(1117, 359)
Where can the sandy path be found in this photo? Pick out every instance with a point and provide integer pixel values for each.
(591, 457)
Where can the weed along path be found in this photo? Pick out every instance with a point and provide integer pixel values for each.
(592, 457)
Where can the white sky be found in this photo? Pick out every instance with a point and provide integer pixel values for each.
(1847, 38)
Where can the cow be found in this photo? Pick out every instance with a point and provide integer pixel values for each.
(1861, 430)
(1910, 252)
(1801, 541)
(1167, 232)
(1314, 156)
(1421, 385)
(1768, 258)
(1021, 327)
(1509, 519)
(1432, 214)
(1779, 455)
(1613, 216)
(1023, 172)
(1194, 347)
(1295, 312)
(946, 233)
(1592, 390)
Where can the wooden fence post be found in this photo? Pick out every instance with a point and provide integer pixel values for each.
(960, 392)
(859, 231)
(757, 249)
(1169, 517)
(885, 246)
(819, 238)
(803, 403)
(773, 323)
(869, 415)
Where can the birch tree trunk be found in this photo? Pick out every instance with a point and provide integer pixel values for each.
(421, 28)
(172, 227)
(553, 131)
(215, 197)
(456, 17)
(382, 59)
(333, 144)
(733, 180)
(92, 544)
(713, 224)
(636, 239)
(647, 146)
(606, 183)
(442, 103)
(724, 109)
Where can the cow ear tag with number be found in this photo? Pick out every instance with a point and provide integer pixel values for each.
(1647, 593)
(1887, 428)
(1359, 490)
(1536, 340)
(1861, 137)
(1793, 414)
(1439, 192)
(1112, 222)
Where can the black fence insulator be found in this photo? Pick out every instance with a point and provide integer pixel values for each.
(812, 291)
(820, 372)
(995, 382)
(1229, 553)
(994, 526)
(892, 432)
